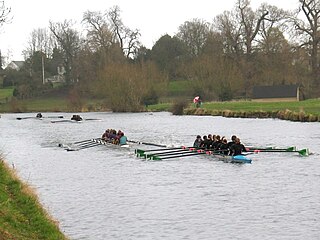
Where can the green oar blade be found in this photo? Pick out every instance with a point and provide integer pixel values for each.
(304, 152)
(156, 158)
(291, 149)
(139, 152)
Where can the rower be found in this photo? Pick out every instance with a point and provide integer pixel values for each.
(76, 118)
(204, 143)
(197, 142)
(210, 141)
(216, 142)
(123, 139)
(224, 149)
(237, 148)
(105, 135)
(233, 139)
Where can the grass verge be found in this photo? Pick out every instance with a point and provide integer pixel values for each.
(311, 106)
(21, 215)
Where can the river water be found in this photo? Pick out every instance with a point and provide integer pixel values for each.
(107, 193)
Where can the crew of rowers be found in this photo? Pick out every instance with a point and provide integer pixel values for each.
(220, 145)
(114, 137)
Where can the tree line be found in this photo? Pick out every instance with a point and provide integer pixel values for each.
(219, 60)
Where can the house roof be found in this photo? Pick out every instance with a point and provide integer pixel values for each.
(15, 65)
(279, 91)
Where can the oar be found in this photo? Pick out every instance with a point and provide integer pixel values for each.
(20, 118)
(289, 149)
(87, 144)
(143, 153)
(77, 149)
(87, 140)
(173, 152)
(302, 152)
(146, 143)
(55, 117)
(168, 152)
(157, 150)
(155, 157)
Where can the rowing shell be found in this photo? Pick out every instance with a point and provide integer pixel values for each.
(185, 152)
(102, 142)
(233, 159)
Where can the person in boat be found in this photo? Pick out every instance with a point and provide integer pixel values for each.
(112, 136)
(204, 143)
(224, 148)
(233, 139)
(216, 142)
(210, 141)
(39, 115)
(105, 135)
(237, 148)
(76, 118)
(122, 139)
(197, 143)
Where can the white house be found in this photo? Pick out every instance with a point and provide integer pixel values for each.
(15, 65)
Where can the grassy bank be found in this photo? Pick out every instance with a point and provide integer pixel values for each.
(21, 215)
(5, 95)
(303, 111)
(51, 105)
(311, 106)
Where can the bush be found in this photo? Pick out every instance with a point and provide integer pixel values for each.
(178, 106)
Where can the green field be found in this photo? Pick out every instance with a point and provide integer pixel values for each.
(311, 106)
(179, 88)
(176, 89)
(21, 215)
(5, 94)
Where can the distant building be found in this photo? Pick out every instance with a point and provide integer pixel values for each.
(15, 65)
(59, 78)
(278, 93)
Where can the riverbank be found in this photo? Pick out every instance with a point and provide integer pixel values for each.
(302, 111)
(21, 215)
(281, 114)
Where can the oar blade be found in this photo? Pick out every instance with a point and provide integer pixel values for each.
(304, 152)
(291, 149)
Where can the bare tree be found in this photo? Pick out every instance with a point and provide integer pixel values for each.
(250, 22)
(240, 29)
(99, 34)
(272, 27)
(4, 13)
(41, 40)
(310, 29)
(69, 41)
(227, 26)
(194, 34)
(127, 39)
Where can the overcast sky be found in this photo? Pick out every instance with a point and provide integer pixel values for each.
(153, 18)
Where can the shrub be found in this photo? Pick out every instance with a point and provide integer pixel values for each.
(178, 106)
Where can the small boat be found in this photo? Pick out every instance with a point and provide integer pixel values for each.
(39, 116)
(75, 121)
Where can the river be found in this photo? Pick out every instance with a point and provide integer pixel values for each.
(106, 192)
